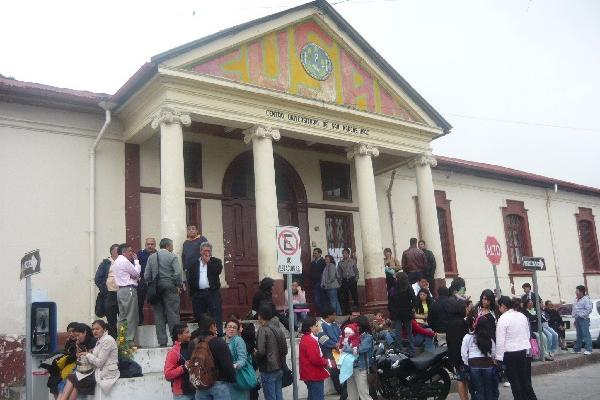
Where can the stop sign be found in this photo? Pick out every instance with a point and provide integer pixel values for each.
(492, 250)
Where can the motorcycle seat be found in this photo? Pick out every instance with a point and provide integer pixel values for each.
(425, 359)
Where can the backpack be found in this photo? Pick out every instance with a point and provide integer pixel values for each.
(203, 372)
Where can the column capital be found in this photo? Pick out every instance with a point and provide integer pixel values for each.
(168, 115)
(362, 149)
(422, 160)
(261, 132)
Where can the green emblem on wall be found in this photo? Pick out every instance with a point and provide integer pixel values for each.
(316, 61)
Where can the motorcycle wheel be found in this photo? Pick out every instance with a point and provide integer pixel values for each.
(437, 387)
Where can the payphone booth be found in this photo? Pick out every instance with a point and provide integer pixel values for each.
(43, 328)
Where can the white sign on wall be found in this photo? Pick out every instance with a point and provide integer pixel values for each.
(288, 250)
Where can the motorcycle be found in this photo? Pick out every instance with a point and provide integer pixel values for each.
(418, 378)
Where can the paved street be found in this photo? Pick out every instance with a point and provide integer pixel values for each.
(575, 384)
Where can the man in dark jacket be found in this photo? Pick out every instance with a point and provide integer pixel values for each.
(205, 285)
(264, 297)
(414, 262)
(438, 313)
(207, 329)
(108, 294)
(317, 266)
(143, 255)
(429, 272)
(271, 349)
(191, 247)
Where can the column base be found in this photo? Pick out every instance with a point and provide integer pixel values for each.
(278, 294)
(375, 295)
(439, 282)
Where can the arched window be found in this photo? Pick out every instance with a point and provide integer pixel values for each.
(516, 229)
(588, 241)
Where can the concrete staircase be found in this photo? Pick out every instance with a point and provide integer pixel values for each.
(153, 386)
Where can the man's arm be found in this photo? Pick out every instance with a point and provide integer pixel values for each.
(133, 269)
(177, 274)
(101, 275)
(150, 267)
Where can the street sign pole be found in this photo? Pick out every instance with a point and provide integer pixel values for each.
(292, 316)
(498, 290)
(28, 360)
(539, 315)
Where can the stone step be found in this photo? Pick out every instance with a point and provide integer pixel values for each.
(152, 360)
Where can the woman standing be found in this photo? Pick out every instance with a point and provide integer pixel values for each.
(330, 283)
(357, 384)
(401, 304)
(237, 347)
(312, 363)
(478, 351)
(422, 307)
(512, 344)
(486, 308)
(81, 381)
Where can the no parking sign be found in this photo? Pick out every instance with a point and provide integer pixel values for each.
(288, 250)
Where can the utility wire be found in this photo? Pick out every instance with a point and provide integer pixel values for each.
(508, 121)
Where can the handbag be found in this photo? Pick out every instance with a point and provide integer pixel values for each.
(99, 307)
(287, 377)
(535, 349)
(245, 377)
(152, 293)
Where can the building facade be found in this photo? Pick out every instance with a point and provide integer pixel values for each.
(292, 119)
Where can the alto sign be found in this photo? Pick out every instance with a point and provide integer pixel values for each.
(492, 250)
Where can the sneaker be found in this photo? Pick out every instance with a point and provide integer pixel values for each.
(574, 352)
(587, 353)
(506, 384)
(549, 358)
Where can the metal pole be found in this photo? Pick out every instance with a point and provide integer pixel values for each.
(498, 290)
(28, 360)
(539, 314)
(291, 318)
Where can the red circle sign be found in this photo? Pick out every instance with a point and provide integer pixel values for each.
(492, 250)
(288, 242)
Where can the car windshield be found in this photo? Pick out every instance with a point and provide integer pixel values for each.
(565, 309)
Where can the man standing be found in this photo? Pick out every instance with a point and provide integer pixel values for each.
(163, 265)
(414, 261)
(429, 272)
(105, 280)
(149, 248)
(271, 349)
(528, 294)
(328, 340)
(317, 266)
(126, 278)
(205, 285)
(191, 247)
(582, 308)
(349, 274)
(391, 267)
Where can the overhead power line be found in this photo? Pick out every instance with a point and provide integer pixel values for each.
(530, 123)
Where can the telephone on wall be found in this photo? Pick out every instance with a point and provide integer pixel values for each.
(43, 328)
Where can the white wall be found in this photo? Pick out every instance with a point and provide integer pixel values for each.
(44, 205)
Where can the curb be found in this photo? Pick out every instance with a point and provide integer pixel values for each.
(573, 361)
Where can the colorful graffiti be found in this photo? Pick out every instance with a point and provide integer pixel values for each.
(274, 62)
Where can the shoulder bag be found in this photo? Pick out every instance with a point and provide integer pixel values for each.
(152, 292)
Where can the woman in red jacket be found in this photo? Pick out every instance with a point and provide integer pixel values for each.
(312, 362)
(176, 364)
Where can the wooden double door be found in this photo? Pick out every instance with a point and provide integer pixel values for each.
(239, 224)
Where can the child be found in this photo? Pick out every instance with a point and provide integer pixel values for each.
(478, 351)
(350, 337)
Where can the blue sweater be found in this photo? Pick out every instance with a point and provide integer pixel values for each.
(329, 337)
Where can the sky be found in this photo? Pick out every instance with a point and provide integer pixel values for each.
(519, 80)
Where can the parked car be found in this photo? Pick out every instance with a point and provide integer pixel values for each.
(570, 334)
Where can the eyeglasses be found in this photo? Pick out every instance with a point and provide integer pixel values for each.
(231, 327)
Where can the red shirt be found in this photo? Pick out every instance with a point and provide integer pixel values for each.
(312, 363)
(174, 370)
(417, 329)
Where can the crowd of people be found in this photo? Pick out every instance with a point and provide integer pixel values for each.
(493, 339)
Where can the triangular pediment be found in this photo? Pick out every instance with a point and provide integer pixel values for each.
(316, 55)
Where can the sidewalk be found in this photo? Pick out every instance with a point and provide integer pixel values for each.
(562, 361)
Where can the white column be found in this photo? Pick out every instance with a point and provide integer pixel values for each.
(369, 215)
(430, 229)
(172, 179)
(265, 194)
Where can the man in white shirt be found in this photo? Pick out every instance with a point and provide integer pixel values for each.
(512, 345)
(422, 283)
(127, 276)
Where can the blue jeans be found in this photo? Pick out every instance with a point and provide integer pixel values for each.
(552, 338)
(425, 341)
(408, 326)
(582, 328)
(316, 390)
(483, 384)
(271, 385)
(218, 391)
(332, 294)
(183, 397)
